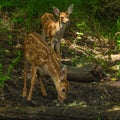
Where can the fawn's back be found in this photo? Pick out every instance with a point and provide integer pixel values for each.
(38, 52)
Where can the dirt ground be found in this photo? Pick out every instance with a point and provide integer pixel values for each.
(86, 101)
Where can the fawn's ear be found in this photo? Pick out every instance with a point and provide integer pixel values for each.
(70, 9)
(56, 11)
(63, 73)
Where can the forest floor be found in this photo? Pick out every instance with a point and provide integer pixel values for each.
(86, 101)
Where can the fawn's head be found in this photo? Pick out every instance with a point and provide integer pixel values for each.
(63, 16)
(62, 85)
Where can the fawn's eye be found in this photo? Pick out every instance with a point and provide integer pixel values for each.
(62, 18)
(63, 90)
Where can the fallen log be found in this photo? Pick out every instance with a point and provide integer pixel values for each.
(87, 73)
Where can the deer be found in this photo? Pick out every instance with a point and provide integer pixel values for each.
(43, 59)
(54, 29)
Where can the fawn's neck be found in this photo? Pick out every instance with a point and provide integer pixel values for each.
(60, 28)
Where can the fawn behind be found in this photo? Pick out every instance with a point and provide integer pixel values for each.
(54, 29)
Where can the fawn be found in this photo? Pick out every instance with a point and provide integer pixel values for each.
(53, 29)
(42, 58)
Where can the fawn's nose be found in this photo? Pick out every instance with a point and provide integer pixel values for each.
(65, 101)
(68, 22)
(62, 99)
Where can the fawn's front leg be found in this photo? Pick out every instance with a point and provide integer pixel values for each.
(43, 90)
(58, 48)
(55, 45)
(32, 82)
(43, 35)
(24, 94)
(52, 43)
(44, 93)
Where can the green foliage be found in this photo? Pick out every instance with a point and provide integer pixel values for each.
(82, 26)
(118, 70)
(7, 75)
(118, 41)
(99, 118)
(10, 39)
(75, 60)
(3, 77)
(118, 35)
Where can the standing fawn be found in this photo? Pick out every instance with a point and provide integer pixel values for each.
(53, 29)
(43, 59)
